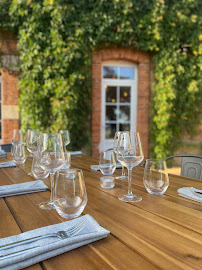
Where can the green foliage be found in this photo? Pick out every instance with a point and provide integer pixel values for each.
(56, 38)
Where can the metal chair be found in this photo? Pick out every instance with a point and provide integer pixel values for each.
(191, 165)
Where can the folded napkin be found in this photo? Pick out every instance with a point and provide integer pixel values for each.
(7, 164)
(51, 246)
(2, 153)
(74, 153)
(97, 168)
(23, 188)
(190, 193)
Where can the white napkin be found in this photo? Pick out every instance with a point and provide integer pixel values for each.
(74, 153)
(97, 168)
(23, 188)
(51, 246)
(188, 192)
(7, 164)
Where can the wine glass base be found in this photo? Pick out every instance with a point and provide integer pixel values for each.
(123, 177)
(130, 198)
(47, 205)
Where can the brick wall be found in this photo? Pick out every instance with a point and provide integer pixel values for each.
(10, 93)
(142, 59)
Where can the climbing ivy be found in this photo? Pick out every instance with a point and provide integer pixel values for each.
(55, 42)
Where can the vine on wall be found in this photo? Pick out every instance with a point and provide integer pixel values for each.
(55, 41)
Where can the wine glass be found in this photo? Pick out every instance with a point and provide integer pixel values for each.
(155, 178)
(33, 139)
(51, 158)
(70, 197)
(116, 138)
(130, 154)
(107, 165)
(66, 141)
(17, 136)
(18, 152)
(37, 171)
(65, 137)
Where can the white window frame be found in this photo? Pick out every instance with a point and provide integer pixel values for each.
(108, 143)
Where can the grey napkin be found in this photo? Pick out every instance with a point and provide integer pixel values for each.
(7, 164)
(2, 153)
(97, 168)
(23, 188)
(74, 153)
(190, 193)
(51, 246)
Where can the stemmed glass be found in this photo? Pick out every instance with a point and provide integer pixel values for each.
(130, 154)
(66, 141)
(65, 137)
(17, 148)
(116, 138)
(51, 157)
(33, 139)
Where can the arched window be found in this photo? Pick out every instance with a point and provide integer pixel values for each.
(119, 100)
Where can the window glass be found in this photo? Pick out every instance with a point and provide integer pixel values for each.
(111, 112)
(124, 94)
(110, 131)
(127, 73)
(110, 72)
(124, 113)
(124, 127)
(111, 93)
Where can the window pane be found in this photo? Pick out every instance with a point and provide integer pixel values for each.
(110, 72)
(124, 127)
(110, 94)
(124, 94)
(124, 114)
(127, 73)
(110, 131)
(111, 112)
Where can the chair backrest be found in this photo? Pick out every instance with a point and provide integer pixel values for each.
(191, 165)
(6, 147)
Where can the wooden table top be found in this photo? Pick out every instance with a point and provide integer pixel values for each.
(160, 232)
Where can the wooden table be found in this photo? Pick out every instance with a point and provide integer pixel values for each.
(160, 232)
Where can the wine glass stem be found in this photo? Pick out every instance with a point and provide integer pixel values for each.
(123, 174)
(52, 186)
(129, 181)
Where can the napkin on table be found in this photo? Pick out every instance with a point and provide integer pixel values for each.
(188, 192)
(2, 153)
(51, 246)
(22, 188)
(74, 153)
(97, 168)
(7, 164)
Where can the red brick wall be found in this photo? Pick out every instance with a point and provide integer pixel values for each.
(142, 59)
(10, 93)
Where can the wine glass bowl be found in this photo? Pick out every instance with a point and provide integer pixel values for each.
(115, 143)
(33, 139)
(130, 154)
(107, 165)
(155, 178)
(70, 197)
